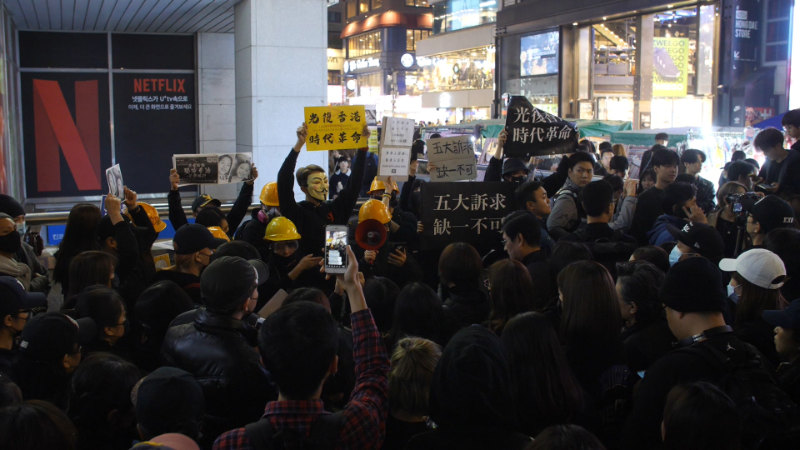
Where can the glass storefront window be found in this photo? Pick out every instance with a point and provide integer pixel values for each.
(365, 85)
(364, 44)
(377, 4)
(363, 6)
(466, 69)
(351, 8)
(417, 3)
(452, 15)
(413, 36)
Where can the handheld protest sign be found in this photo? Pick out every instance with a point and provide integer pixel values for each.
(468, 212)
(533, 132)
(114, 179)
(334, 127)
(453, 157)
(394, 156)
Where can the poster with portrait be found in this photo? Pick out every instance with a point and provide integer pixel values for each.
(114, 179)
(213, 168)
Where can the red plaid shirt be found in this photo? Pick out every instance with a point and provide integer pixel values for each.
(365, 413)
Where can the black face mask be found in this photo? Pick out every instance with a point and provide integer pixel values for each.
(518, 180)
(11, 242)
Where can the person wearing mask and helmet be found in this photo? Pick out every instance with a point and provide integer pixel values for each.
(288, 266)
(252, 231)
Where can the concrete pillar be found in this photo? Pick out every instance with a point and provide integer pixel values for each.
(216, 102)
(643, 82)
(281, 66)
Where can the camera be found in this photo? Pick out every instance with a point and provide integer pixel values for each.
(742, 203)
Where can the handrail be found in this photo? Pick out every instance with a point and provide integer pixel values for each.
(51, 217)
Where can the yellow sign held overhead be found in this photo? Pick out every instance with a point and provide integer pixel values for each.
(335, 127)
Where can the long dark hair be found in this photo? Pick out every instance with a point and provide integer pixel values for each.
(417, 312)
(639, 282)
(511, 291)
(80, 234)
(460, 264)
(754, 300)
(90, 268)
(590, 311)
(546, 391)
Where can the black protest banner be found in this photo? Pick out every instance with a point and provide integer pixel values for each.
(467, 212)
(533, 132)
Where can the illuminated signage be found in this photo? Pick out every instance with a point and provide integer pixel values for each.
(359, 64)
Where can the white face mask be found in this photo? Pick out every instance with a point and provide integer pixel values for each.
(675, 255)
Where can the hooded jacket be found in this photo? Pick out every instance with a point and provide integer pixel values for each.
(660, 232)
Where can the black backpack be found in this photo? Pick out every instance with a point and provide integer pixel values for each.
(770, 418)
(323, 436)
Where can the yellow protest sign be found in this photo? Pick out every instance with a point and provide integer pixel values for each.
(335, 127)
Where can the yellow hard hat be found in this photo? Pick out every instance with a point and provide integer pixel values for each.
(152, 214)
(269, 194)
(281, 229)
(219, 234)
(378, 185)
(374, 209)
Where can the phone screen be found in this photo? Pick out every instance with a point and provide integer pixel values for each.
(335, 249)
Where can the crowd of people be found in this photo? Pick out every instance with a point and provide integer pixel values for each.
(614, 313)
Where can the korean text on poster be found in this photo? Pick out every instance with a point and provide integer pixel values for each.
(468, 212)
(671, 67)
(394, 156)
(533, 132)
(335, 127)
(453, 157)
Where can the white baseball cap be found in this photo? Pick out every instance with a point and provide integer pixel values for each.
(758, 266)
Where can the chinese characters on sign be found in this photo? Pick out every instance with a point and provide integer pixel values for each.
(454, 158)
(533, 132)
(397, 135)
(213, 168)
(334, 127)
(468, 212)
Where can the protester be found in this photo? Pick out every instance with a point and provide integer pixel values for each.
(15, 312)
(787, 345)
(521, 242)
(532, 197)
(393, 259)
(298, 345)
(785, 242)
(510, 289)
(757, 276)
(546, 391)
(49, 352)
(101, 407)
(679, 206)
(694, 300)
(725, 221)
(158, 305)
(194, 245)
(511, 170)
(767, 214)
(465, 302)
(239, 209)
(288, 266)
(646, 335)
(471, 398)
(699, 416)
(311, 215)
(412, 365)
(418, 311)
(89, 268)
(26, 254)
(35, 425)
(217, 348)
(696, 239)
(566, 211)
(649, 205)
(80, 235)
(168, 400)
(692, 161)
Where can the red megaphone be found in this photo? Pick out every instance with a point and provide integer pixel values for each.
(370, 234)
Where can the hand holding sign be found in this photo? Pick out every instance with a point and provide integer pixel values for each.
(532, 131)
(302, 135)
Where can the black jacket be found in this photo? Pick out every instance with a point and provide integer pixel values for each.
(311, 219)
(220, 352)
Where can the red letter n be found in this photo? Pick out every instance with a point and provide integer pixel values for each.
(78, 139)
